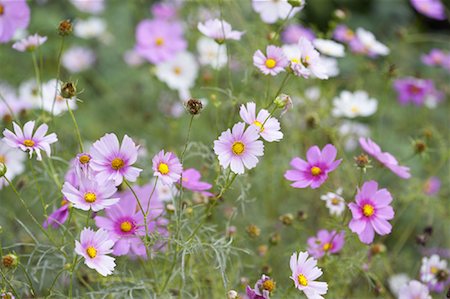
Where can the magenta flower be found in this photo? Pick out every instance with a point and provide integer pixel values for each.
(413, 90)
(90, 194)
(433, 9)
(268, 127)
(292, 34)
(313, 172)
(371, 212)
(13, 15)
(263, 288)
(167, 167)
(432, 186)
(26, 140)
(239, 148)
(384, 158)
(58, 217)
(30, 43)
(326, 242)
(219, 30)
(273, 63)
(159, 40)
(191, 181)
(343, 34)
(113, 161)
(94, 247)
(304, 273)
(436, 57)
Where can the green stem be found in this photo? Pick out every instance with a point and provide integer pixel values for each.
(33, 172)
(38, 78)
(77, 130)
(58, 70)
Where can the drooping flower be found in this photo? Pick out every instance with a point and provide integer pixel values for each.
(371, 212)
(272, 10)
(263, 288)
(13, 159)
(78, 59)
(191, 181)
(414, 290)
(304, 274)
(272, 64)
(26, 140)
(329, 47)
(13, 15)
(239, 148)
(432, 186)
(94, 247)
(89, 6)
(113, 161)
(433, 9)
(211, 53)
(29, 43)
(293, 32)
(384, 158)
(268, 127)
(167, 167)
(314, 171)
(434, 273)
(219, 30)
(334, 202)
(415, 90)
(326, 242)
(58, 217)
(355, 104)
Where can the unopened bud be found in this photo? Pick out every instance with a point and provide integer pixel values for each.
(283, 101)
(65, 28)
(194, 106)
(287, 219)
(302, 215)
(232, 294)
(275, 238)
(362, 161)
(68, 90)
(253, 231)
(296, 3)
(419, 146)
(3, 168)
(10, 261)
(377, 248)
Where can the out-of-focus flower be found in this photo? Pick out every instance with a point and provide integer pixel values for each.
(415, 90)
(132, 58)
(93, 27)
(432, 186)
(167, 167)
(436, 57)
(273, 63)
(164, 11)
(334, 202)
(7, 295)
(178, 73)
(78, 59)
(343, 34)
(414, 290)
(219, 30)
(272, 10)
(355, 104)
(329, 47)
(330, 65)
(94, 247)
(239, 148)
(13, 159)
(397, 281)
(434, 273)
(90, 6)
(211, 53)
(433, 9)
(268, 127)
(371, 212)
(30, 43)
(304, 274)
(59, 216)
(314, 171)
(191, 181)
(384, 158)
(263, 288)
(326, 242)
(13, 15)
(352, 131)
(11, 104)
(292, 34)
(366, 43)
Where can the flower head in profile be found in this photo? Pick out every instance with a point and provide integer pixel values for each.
(433, 9)
(239, 148)
(329, 47)
(113, 161)
(95, 247)
(26, 140)
(314, 171)
(59, 216)
(13, 159)
(263, 288)
(432, 186)
(334, 202)
(167, 167)
(271, 64)
(371, 212)
(414, 290)
(268, 127)
(304, 274)
(272, 10)
(384, 158)
(355, 104)
(29, 43)
(14, 15)
(436, 57)
(343, 34)
(191, 181)
(435, 273)
(326, 242)
(219, 30)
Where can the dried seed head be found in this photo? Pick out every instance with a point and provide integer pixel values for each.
(65, 28)
(10, 261)
(362, 161)
(68, 90)
(302, 215)
(287, 219)
(275, 238)
(194, 106)
(377, 248)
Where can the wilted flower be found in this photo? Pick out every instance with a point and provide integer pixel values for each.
(355, 104)
(219, 30)
(13, 15)
(271, 11)
(30, 43)
(326, 242)
(167, 167)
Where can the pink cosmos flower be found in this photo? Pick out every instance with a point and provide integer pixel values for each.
(343, 34)
(26, 140)
(415, 90)
(159, 40)
(414, 290)
(164, 11)
(113, 161)
(384, 158)
(304, 273)
(94, 247)
(435, 273)
(13, 15)
(219, 30)
(272, 64)
(82, 165)
(326, 242)
(371, 212)
(239, 148)
(91, 194)
(167, 167)
(313, 172)
(263, 287)
(58, 217)
(292, 34)
(432, 186)
(30, 43)
(436, 57)
(268, 127)
(433, 9)
(191, 181)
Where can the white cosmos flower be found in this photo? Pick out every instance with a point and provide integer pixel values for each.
(211, 53)
(13, 159)
(355, 104)
(352, 131)
(272, 10)
(180, 72)
(397, 281)
(91, 28)
(329, 47)
(89, 6)
(330, 65)
(334, 202)
(370, 43)
(78, 59)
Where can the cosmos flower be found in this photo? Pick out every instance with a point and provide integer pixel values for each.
(397, 281)
(366, 43)
(304, 274)
(272, 10)
(432, 186)
(263, 288)
(211, 53)
(92, 27)
(90, 6)
(164, 11)
(433, 9)
(78, 59)
(329, 47)
(371, 212)
(13, 15)
(343, 34)
(219, 30)
(414, 290)
(58, 217)
(268, 127)
(434, 273)
(326, 242)
(415, 90)
(30, 43)
(13, 159)
(94, 247)
(191, 181)
(293, 32)
(26, 140)
(355, 104)
(167, 167)
(239, 148)
(384, 158)
(272, 64)
(436, 57)
(113, 161)
(334, 202)
(314, 171)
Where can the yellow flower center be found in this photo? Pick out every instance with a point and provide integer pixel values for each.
(271, 63)
(84, 159)
(126, 226)
(335, 201)
(434, 270)
(368, 210)
(302, 280)
(349, 34)
(306, 60)
(259, 124)
(354, 109)
(177, 70)
(295, 60)
(2, 9)
(90, 197)
(159, 41)
(28, 142)
(64, 202)
(2, 159)
(268, 285)
(117, 163)
(327, 246)
(315, 171)
(163, 168)
(91, 252)
(238, 148)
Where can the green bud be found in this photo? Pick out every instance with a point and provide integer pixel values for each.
(3, 169)
(296, 3)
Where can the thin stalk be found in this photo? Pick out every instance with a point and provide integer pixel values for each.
(77, 130)
(58, 70)
(33, 172)
(38, 78)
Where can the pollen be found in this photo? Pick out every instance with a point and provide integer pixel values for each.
(2, 159)
(159, 41)
(354, 109)
(126, 226)
(368, 210)
(271, 63)
(433, 270)
(84, 159)
(335, 201)
(238, 148)
(90, 197)
(268, 285)
(28, 142)
(302, 280)
(259, 124)
(327, 246)
(315, 171)
(117, 164)
(163, 168)
(295, 60)
(177, 70)
(91, 252)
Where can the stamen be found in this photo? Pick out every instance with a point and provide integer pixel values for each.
(238, 148)
(163, 168)
(315, 171)
(91, 252)
(302, 280)
(117, 164)
(90, 197)
(28, 142)
(368, 210)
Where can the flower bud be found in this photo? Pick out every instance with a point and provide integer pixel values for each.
(10, 261)
(362, 161)
(302, 215)
(377, 248)
(419, 146)
(340, 14)
(266, 269)
(232, 294)
(283, 101)
(3, 169)
(194, 106)
(287, 219)
(296, 3)
(312, 120)
(262, 250)
(275, 238)
(65, 28)
(253, 231)
(68, 90)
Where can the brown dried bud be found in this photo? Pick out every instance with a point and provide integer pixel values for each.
(10, 261)
(377, 248)
(362, 161)
(287, 219)
(275, 238)
(442, 275)
(253, 231)
(68, 90)
(427, 133)
(194, 106)
(302, 215)
(421, 239)
(419, 146)
(65, 28)
(428, 230)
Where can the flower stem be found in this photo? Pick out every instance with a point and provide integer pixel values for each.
(58, 70)
(77, 130)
